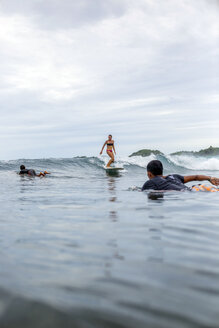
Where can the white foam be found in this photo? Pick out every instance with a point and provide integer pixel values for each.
(195, 163)
(186, 161)
(134, 160)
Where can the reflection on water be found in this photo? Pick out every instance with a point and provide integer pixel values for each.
(154, 195)
(113, 216)
(113, 173)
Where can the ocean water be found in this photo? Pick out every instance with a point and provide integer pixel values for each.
(82, 248)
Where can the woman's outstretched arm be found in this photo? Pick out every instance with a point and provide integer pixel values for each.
(103, 147)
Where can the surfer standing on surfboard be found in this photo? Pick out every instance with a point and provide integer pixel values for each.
(109, 149)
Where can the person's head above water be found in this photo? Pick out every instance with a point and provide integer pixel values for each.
(154, 168)
(22, 167)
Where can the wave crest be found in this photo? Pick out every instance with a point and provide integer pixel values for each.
(171, 163)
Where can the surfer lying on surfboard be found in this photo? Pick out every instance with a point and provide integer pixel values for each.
(31, 172)
(109, 149)
(175, 181)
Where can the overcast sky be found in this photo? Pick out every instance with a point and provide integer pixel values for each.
(73, 71)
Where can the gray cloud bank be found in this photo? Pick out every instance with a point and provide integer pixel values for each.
(74, 71)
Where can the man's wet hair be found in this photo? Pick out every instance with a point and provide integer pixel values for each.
(22, 167)
(110, 135)
(155, 167)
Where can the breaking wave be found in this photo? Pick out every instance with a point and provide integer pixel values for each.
(171, 163)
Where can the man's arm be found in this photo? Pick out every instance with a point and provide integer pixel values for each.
(213, 180)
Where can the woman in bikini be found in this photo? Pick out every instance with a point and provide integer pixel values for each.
(109, 150)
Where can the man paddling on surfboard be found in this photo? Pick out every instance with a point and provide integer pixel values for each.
(175, 181)
(109, 150)
(31, 172)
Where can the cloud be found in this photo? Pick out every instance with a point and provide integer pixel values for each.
(67, 14)
(140, 69)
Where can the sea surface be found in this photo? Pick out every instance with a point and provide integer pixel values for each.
(82, 248)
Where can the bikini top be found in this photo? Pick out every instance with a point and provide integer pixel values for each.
(109, 144)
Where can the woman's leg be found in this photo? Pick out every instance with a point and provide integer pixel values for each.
(110, 154)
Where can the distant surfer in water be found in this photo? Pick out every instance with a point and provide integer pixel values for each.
(109, 149)
(175, 181)
(31, 172)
